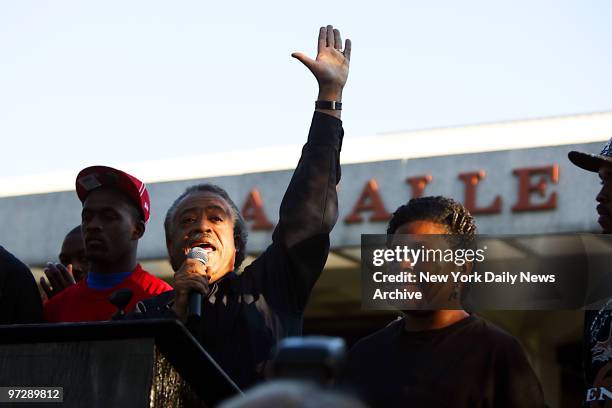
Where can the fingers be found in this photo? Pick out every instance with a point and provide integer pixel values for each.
(322, 43)
(66, 274)
(59, 278)
(62, 276)
(330, 67)
(45, 286)
(52, 275)
(193, 266)
(303, 59)
(199, 285)
(330, 36)
(337, 39)
(193, 282)
(185, 283)
(347, 49)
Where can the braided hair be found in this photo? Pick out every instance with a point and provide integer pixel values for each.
(438, 209)
(442, 210)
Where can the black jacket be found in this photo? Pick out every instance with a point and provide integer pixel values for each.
(248, 313)
(19, 297)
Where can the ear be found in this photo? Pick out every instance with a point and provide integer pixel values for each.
(139, 229)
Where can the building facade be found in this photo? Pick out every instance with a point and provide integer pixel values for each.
(514, 177)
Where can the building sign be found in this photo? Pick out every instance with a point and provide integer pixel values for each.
(532, 184)
(528, 191)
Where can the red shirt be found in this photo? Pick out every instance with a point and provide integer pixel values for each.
(80, 303)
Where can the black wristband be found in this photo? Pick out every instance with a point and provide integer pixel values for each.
(331, 105)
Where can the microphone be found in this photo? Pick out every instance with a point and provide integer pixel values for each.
(120, 298)
(195, 298)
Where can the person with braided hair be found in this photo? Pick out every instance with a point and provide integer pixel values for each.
(440, 358)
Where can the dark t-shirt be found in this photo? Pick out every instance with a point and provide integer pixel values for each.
(598, 357)
(19, 297)
(468, 364)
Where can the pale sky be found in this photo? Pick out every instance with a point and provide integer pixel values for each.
(107, 82)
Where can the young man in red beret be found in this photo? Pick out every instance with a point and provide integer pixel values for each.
(116, 208)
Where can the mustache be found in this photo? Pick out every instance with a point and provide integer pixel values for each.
(198, 237)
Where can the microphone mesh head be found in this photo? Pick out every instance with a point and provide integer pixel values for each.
(199, 254)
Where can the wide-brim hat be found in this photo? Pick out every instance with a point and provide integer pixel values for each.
(592, 162)
(94, 177)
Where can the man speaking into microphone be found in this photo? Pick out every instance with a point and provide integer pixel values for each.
(243, 316)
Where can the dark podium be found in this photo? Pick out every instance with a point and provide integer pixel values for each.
(143, 363)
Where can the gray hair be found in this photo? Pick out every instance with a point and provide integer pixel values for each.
(240, 227)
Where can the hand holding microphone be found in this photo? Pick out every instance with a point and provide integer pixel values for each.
(195, 298)
(191, 284)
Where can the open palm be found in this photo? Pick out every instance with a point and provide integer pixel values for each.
(331, 65)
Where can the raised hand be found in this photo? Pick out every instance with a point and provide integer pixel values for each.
(331, 66)
(60, 277)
